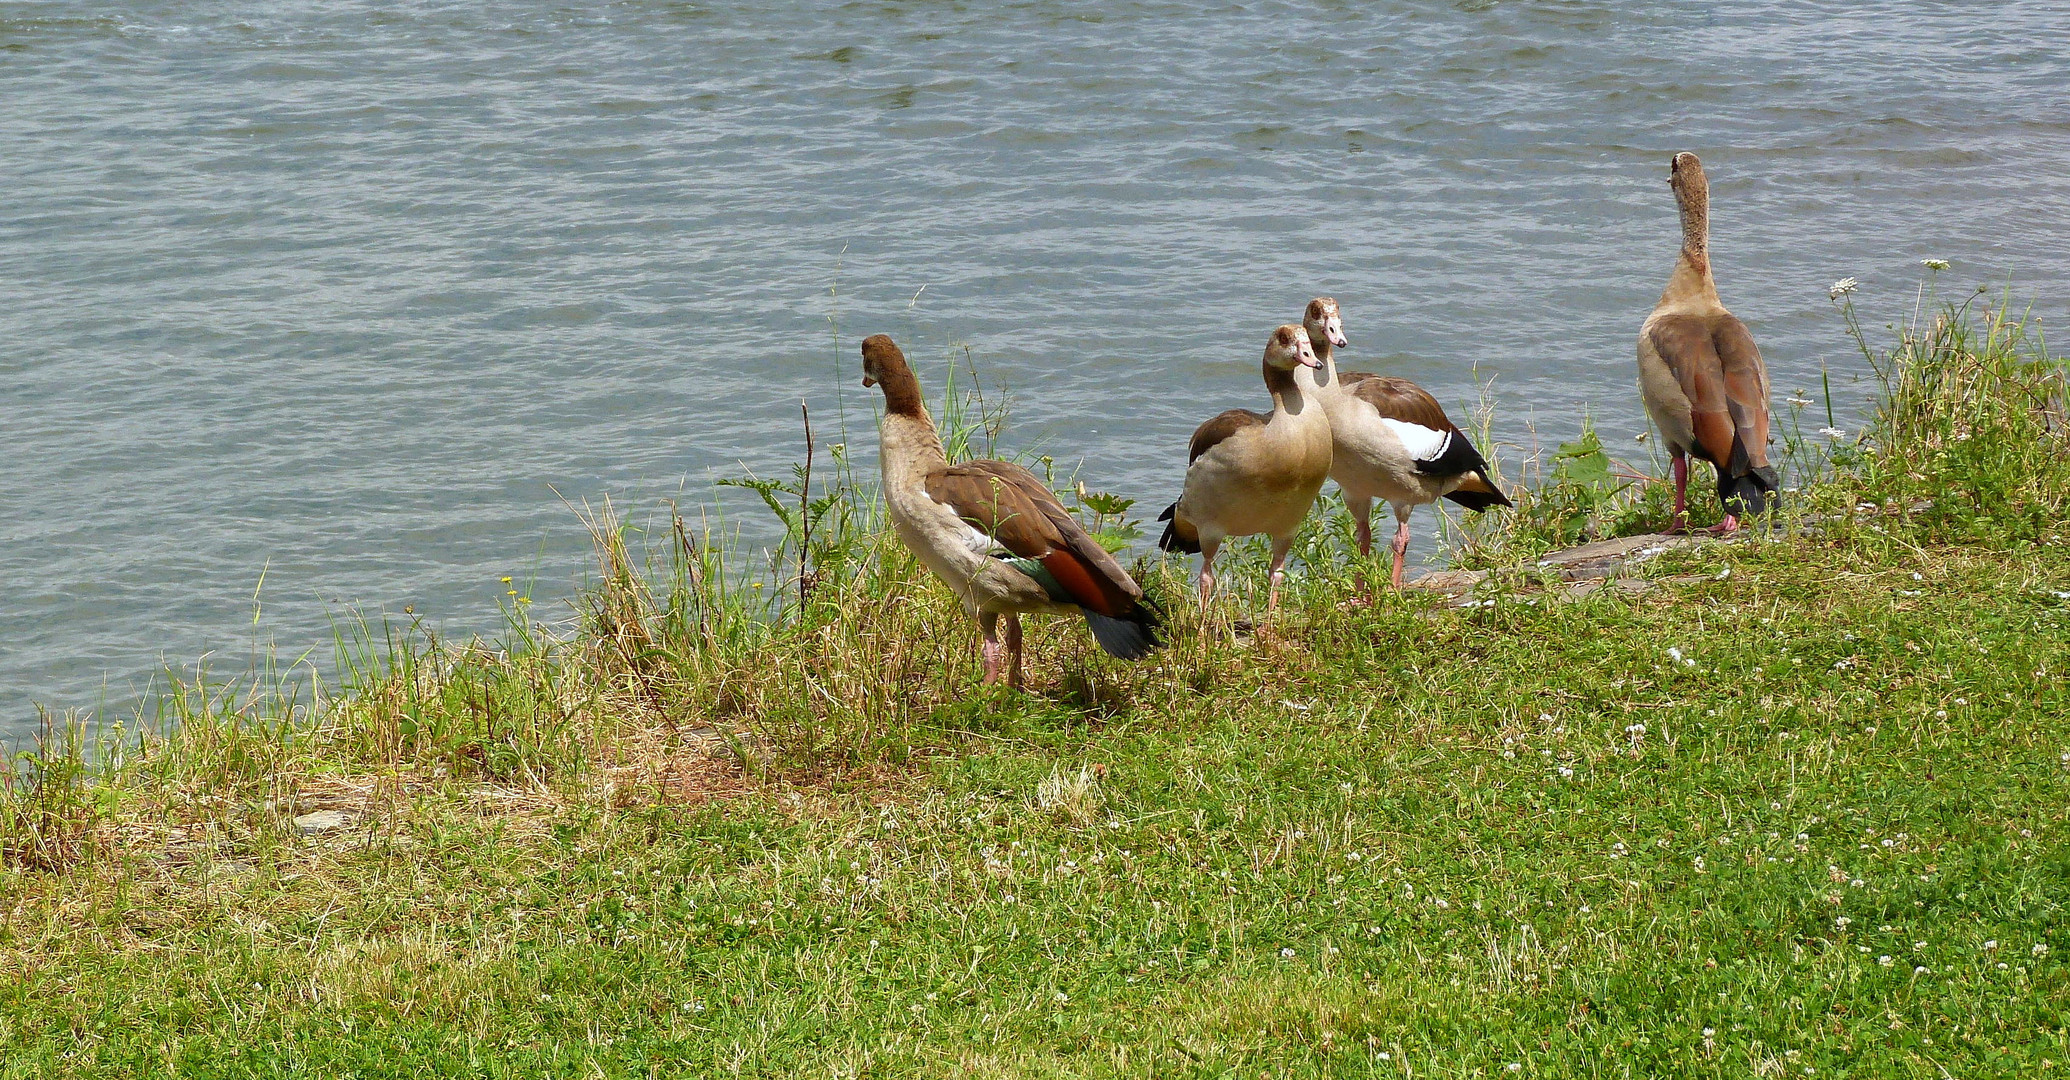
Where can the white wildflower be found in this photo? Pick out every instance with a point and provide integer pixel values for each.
(1800, 402)
(1833, 432)
(1934, 264)
(1884, 960)
(1841, 287)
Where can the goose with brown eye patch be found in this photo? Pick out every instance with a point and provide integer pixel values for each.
(1250, 472)
(1700, 374)
(1392, 441)
(996, 534)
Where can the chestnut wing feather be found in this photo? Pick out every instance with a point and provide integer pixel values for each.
(1013, 506)
(1687, 344)
(1207, 436)
(1746, 386)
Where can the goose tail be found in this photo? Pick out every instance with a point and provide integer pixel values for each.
(1132, 636)
(1478, 492)
(1747, 494)
(1178, 536)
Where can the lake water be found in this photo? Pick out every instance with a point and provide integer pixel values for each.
(343, 293)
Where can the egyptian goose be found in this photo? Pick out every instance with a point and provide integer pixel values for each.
(995, 533)
(1393, 441)
(1699, 372)
(1253, 472)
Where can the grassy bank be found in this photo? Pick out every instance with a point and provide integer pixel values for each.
(1797, 809)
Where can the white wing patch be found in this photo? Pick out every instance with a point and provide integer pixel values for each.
(1422, 443)
(952, 529)
(978, 542)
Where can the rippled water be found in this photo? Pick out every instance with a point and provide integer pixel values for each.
(343, 293)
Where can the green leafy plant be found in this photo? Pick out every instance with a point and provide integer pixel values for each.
(1582, 486)
(1107, 518)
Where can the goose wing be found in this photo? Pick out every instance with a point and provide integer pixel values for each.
(1014, 507)
(1715, 362)
(1211, 434)
(1434, 442)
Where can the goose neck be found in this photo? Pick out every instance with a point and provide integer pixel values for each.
(1285, 388)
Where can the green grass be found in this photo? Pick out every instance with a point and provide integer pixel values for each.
(1711, 828)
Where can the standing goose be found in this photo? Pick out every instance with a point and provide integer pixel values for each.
(956, 518)
(1699, 372)
(1253, 472)
(1393, 441)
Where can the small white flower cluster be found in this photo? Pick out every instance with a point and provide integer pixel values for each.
(1934, 264)
(1841, 288)
(1833, 432)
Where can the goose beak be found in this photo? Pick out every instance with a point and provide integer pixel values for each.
(1338, 341)
(868, 382)
(1308, 359)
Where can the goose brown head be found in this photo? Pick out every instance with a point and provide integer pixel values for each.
(1324, 324)
(884, 365)
(1288, 348)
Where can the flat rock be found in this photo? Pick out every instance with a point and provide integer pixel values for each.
(321, 821)
(1605, 558)
(1449, 581)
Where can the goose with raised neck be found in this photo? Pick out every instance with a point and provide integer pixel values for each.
(1700, 374)
(1392, 441)
(1249, 472)
(996, 534)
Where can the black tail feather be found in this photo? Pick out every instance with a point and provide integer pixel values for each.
(1131, 637)
(1480, 500)
(1746, 495)
(1171, 540)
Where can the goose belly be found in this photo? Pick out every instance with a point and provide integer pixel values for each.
(1221, 501)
